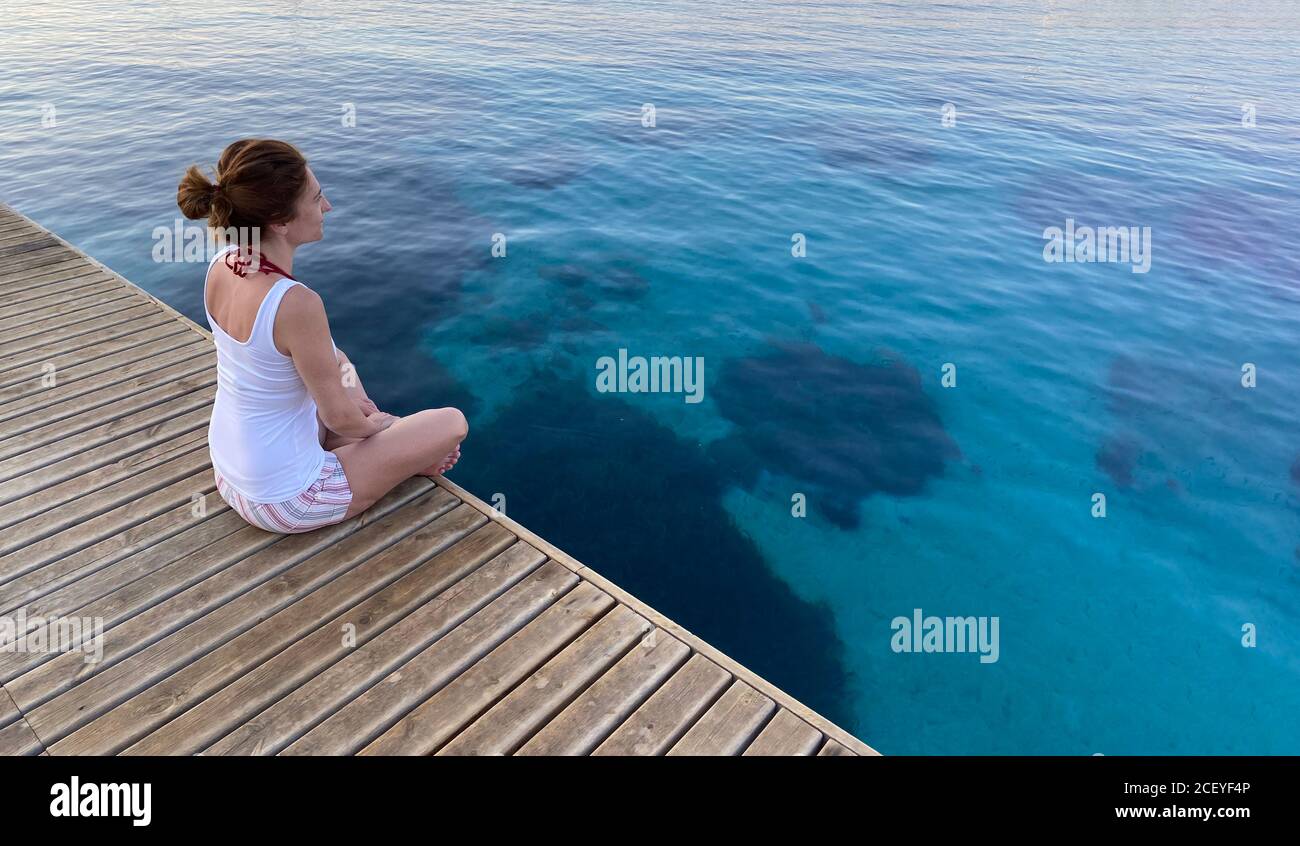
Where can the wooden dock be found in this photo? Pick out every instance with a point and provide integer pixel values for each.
(431, 624)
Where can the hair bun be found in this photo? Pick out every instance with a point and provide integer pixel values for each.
(257, 182)
(195, 193)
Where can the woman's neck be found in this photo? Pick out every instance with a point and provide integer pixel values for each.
(280, 253)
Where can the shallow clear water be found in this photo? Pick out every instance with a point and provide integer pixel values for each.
(822, 374)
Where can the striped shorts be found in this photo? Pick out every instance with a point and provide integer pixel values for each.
(324, 503)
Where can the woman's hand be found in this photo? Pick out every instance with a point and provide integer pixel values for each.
(367, 406)
(380, 420)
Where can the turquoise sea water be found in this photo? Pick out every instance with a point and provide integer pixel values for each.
(823, 373)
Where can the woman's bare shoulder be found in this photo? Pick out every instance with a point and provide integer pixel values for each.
(300, 299)
(302, 312)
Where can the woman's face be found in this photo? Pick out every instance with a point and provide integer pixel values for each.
(309, 223)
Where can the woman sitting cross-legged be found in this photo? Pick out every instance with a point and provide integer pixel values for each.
(295, 442)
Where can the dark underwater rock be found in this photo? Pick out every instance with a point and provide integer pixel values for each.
(848, 430)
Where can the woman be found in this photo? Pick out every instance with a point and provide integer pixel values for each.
(295, 442)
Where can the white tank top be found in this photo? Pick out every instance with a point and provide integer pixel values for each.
(263, 436)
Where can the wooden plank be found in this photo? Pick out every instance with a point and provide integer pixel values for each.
(54, 277)
(31, 321)
(161, 305)
(9, 712)
(19, 249)
(54, 533)
(101, 477)
(15, 274)
(23, 252)
(143, 611)
(10, 222)
(729, 726)
(74, 338)
(151, 708)
(30, 333)
(99, 398)
(80, 334)
(669, 712)
(116, 678)
(43, 303)
(445, 713)
(382, 703)
(20, 237)
(9, 216)
(17, 224)
(59, 589)
(147, 356)
(15, 256)
(86, 301)
(12, 226)
(833, 748)
(378, 653)
(51, 549)
(36, 367)
(424, 564)
(42, 299)
(600, 709)
(151, 597)
(786, 734)
(509, 723)
(42, 234)
(19, 739)
(24, 265)
(109, 403)
(50, 384)
(39, 241)
(52, 463)
(56, 282)
(44, 239)
(16, 737)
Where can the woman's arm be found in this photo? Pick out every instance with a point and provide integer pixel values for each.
(305, 331)
(352, 383)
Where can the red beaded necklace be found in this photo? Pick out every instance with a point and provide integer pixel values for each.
(265, 265)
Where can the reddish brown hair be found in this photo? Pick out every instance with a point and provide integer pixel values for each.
(258, 183)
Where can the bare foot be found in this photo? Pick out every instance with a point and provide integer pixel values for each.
(448, 462)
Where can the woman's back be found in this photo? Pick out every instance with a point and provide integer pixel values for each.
(296, 443)
(264, 437)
